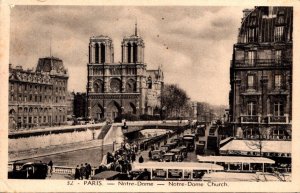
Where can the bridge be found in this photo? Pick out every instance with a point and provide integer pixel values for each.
(132, 131)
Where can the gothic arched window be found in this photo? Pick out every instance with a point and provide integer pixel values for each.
(102, 46)
(96, 53)
(129, 52)
(98, 86)
(134, 53)
(130, 86)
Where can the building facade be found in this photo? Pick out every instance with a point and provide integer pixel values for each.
(38, 98)
(126, 87)
(261, 75)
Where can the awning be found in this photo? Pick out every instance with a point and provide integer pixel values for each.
(177, 165)
(234, 159)
(267, 146)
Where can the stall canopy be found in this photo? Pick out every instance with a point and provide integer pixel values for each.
(176, 165)
(266, 146)
(234, 159)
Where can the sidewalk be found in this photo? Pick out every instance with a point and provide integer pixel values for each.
(51, 150)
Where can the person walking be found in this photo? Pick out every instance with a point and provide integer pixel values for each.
(50, 164)
(133, 157)
(82, 172)
(88, 169)
(77, 173)
(150, 154)
(141, 159)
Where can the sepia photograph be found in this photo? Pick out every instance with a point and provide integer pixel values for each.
(150, 96)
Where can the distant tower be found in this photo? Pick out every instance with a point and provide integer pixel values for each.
(133, 48)
(101, 50)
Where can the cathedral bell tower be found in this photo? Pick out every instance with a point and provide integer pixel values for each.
(133, 49)
(101, 50)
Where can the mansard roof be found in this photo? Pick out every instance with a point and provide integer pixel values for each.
(263, 21)
(18, 74)
(51, 65)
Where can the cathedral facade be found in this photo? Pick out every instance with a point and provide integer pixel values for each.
(126, 87)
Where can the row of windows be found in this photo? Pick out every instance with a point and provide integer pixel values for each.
(36, 98)
(277, 108)
(251, 56)
(35, 110)
(278, 81)
(252, 34)
(40, 88)
(60, 82)
(41, 119)
(250, 133)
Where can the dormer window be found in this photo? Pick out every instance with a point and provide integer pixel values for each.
(280, 20)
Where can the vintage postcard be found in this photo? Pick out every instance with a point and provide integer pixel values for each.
(105, 96)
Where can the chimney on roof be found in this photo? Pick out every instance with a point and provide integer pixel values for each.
(246, 12)
(19, 67)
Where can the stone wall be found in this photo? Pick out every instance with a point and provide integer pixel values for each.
(43, 141)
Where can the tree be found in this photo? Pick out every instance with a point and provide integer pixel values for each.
(79, 104)
(174, 99)
(258, 143)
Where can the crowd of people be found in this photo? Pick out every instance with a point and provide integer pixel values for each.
(83, 172)
(121, 159)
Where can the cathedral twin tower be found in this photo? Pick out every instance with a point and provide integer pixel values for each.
(101, 49)
(120, 88)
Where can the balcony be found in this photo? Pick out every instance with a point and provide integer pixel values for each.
(261, 62)
(250, 118)
(278, 119)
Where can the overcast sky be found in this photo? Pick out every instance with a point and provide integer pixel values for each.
(193, 44)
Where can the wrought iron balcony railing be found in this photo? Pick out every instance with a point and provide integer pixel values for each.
(278, 119)
(261, 62)
(250, 119)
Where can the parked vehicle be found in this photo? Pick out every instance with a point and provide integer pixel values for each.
(178, 154)
(165, 148)
(30, 170)
(156, 154)
(200, 147)
(189, 141)
(169, 157)
(183, 150)
(172, 145)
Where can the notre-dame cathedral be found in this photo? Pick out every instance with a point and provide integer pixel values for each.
(126, 87)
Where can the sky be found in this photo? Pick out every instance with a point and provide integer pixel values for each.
(192, 44)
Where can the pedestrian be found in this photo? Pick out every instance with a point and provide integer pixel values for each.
(133, 157)
(141, 159)
(88, 171)
(50, 164)
(150, 154)
(82, 172)
(118, 168)
(77, 173)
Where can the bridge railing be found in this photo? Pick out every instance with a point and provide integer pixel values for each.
(129, 123)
